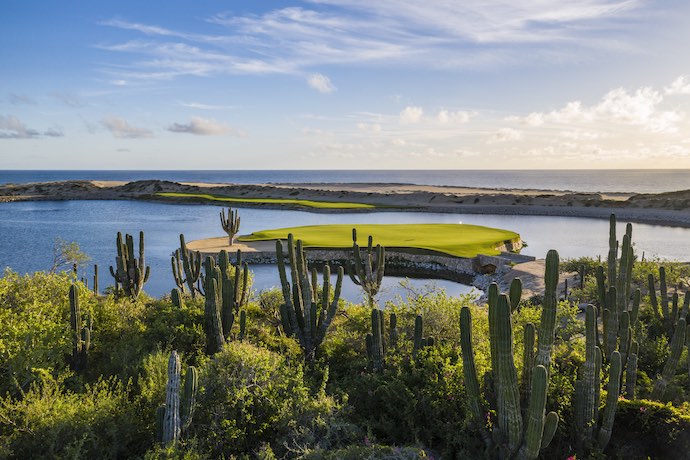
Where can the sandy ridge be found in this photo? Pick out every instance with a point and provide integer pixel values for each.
(670, 208)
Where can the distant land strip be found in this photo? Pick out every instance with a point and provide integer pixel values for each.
(669, 208)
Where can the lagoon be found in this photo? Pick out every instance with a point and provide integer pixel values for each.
(28, 230)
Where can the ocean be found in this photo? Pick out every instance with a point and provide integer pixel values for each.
(627, 180)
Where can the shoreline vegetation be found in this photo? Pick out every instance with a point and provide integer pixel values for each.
(669, 208)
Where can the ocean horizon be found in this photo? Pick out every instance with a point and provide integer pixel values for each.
(584, 180)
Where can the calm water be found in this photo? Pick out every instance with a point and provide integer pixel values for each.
(28, 229)
(640, 181)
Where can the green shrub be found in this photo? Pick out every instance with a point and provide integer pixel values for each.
(251, 396)
(49, 422)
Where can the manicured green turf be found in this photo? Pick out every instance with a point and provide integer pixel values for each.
(455, 239)
(286, 201)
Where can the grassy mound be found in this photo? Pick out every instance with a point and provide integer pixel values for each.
(459, 240)
(278, 201)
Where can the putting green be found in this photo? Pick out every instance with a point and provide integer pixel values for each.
(286, 201)
(460, 240)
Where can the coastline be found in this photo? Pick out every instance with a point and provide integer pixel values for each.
(668, 208)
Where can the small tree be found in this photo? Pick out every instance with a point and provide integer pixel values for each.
(67, 254)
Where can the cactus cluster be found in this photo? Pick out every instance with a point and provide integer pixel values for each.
(81, 333)
(302, 313)
(594, 430)
(376, 343)
(367, 270)
(186, 268)
(130, 273)
(175, 417)
(669, 313)
(226, 291)
(230, 223)
(516, 433)
(677, 344)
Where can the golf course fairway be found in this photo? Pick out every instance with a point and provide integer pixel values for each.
(461, 240)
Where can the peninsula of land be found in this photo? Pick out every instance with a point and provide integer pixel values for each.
(670, 208)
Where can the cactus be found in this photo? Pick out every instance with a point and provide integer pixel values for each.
(613, 389)
(666, 316)
(212, 319)
(81, 335)
(515, 294)
(186, 267)
(178, 412)
(631, 372)
(302, 314)
(528, 358)
(393, 330)
(130, 273)
(230, 223)
(367, 272)
(419, 341)
(188, 401)
(677, 343)
(95, 279)
(514, 435)
(171, 422)
(176, 297)
(374, 342)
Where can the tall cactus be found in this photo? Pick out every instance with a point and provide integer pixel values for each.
(677, 343)
(419, 341)
(367, 271)
(375, 342)
(666, 316)
(593, 434)
(95, 279)
(515, 293)
(81, 334)
(230, 223)
(130, 273)
(178, 412)
(514, 435)
(176, 298)
(302, 313)
(171, 422)
(186, 267)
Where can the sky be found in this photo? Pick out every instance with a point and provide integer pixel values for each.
(345, 84)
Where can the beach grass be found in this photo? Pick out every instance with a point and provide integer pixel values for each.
(461, 240)
(276, 201)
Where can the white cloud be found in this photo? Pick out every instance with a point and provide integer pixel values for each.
(639, 108)
(445, 116)
(406, 34)
(202, 106)
(202, 127)
(411, 115)
(321, 83)
(13, 128)
(123, 130)
(680, 85)
(369, 127)
(506, 135)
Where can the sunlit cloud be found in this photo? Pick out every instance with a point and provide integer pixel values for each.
(201, 127)
(121, 129)
(680, 85)
(411, 115)
(13, 128)
(321, 83)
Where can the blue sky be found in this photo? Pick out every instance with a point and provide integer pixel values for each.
(345, 84)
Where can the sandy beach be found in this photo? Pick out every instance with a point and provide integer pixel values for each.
(671, 208)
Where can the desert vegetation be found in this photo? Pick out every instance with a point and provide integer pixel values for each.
(216, 371)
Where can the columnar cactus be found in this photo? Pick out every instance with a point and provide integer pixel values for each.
(176, 415)
(230, 223)
(130, 273)
(212, 318)
(367, 271)
(515, 293)
(513, 435)
(677, 343)
(302, 313)
(393, 330)
(528, 357)
(81, 334)
(171, 422)
(591, 434)
(666, 316)
(420, 341)
(375, 342)
(631, 372)
(186, 267)
(95, 279)
(176, 297)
